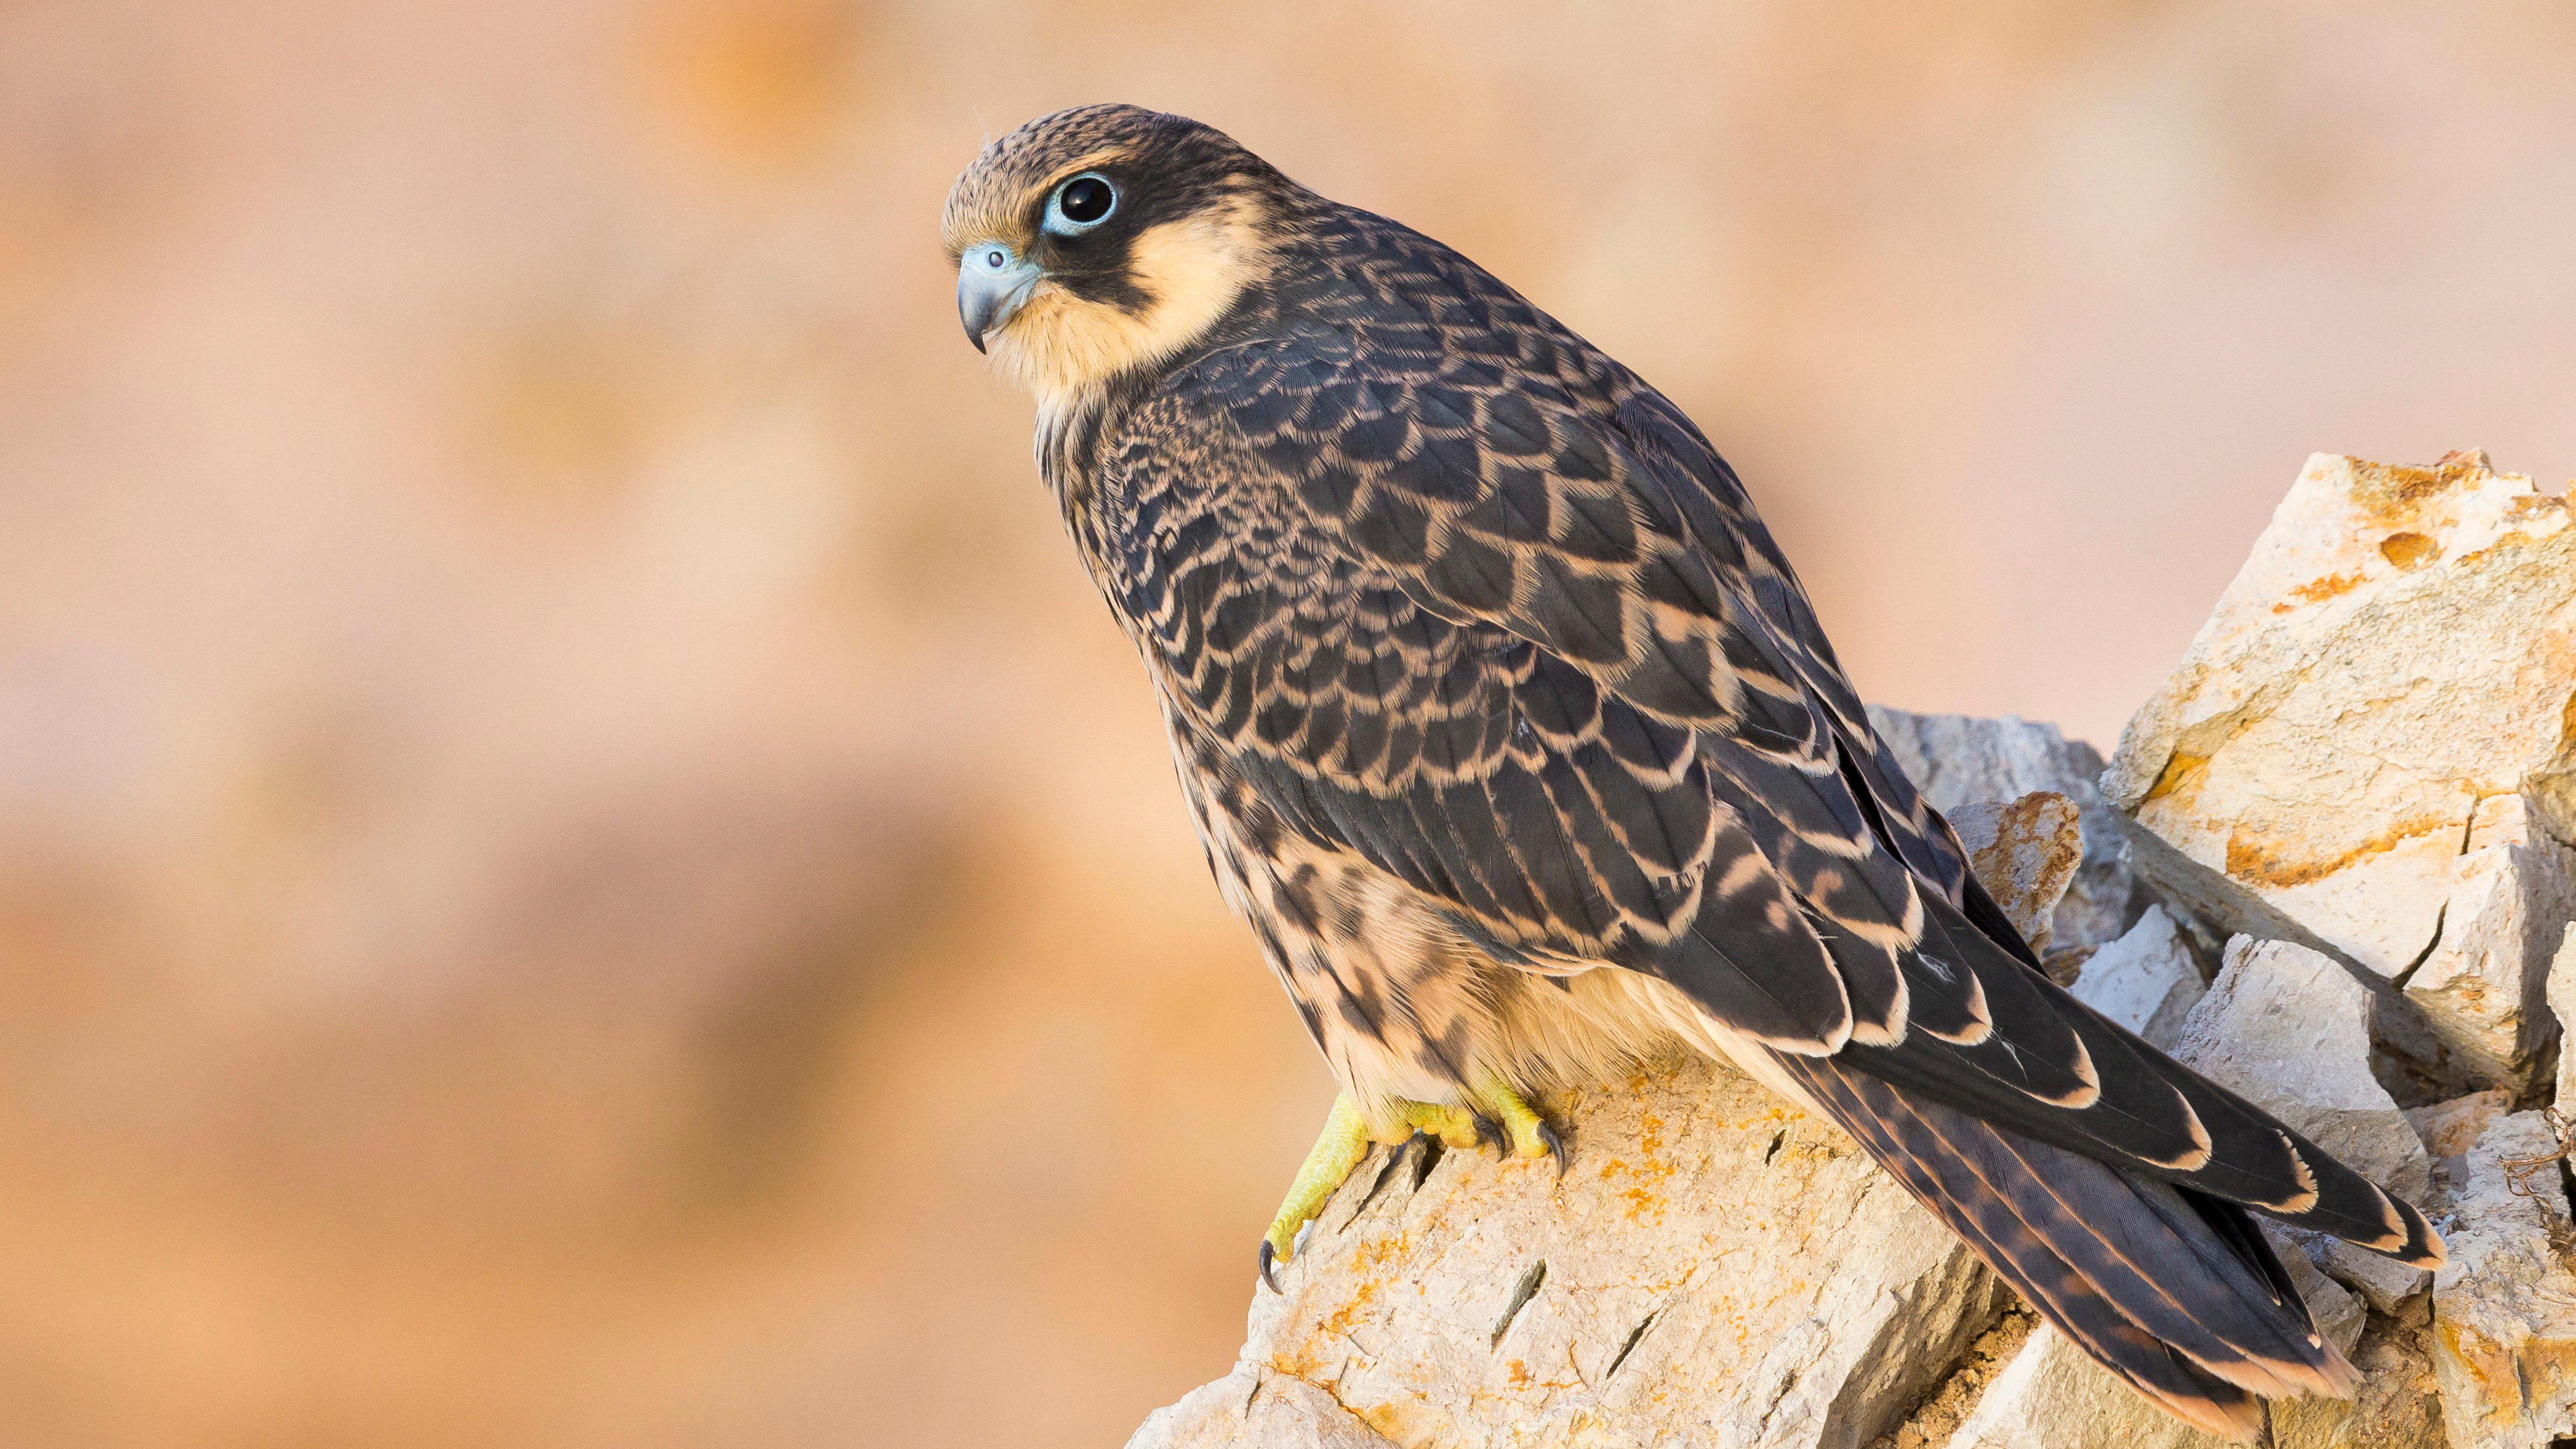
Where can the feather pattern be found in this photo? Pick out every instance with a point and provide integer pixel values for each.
(1482, 671)
(1544, 558)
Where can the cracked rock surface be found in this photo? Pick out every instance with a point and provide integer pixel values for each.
(2561, 992)
(2289, 1031)
(2504, 1307)
(2400, 646)
(2029, 850)
(2146, 981)
(2483, 986)
(1715, 1268)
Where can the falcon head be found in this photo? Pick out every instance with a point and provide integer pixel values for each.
(1099, 241)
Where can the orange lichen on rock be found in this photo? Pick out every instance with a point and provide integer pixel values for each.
(2409, 550)
(2281, 859)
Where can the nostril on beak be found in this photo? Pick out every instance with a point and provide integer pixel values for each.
(992, 283)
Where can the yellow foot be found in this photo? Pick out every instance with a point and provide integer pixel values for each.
(1505, 1120)
(1523, 1132)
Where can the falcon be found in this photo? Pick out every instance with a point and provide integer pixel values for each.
(1512, 734)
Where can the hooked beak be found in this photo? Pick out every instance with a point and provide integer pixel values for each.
(992, 285)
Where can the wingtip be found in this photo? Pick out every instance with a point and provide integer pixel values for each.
(2413, 1241)
(2324, 1372)
(2425, 1248)
(2222, 1411)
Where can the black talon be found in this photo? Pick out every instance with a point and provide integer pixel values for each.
(1269, 1256)
(1556, 1147)
(1490, 1131)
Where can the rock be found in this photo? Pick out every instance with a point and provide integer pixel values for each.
(2400, 645)
(2051, 1396)
(2384, 1283)
(1252, 1409)
(2450, 1129)
(1715, 1267)
(2504, 1307)
(1960, 761)
(2212, 907)
(2289, 1030)
(1937, 1418)
(1719, 1269)
(2484, 985)
(2562, 1004)
(2396, 1407)
(2146, 981)
(2027, 853)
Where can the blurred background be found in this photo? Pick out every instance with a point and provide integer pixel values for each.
(579, 865)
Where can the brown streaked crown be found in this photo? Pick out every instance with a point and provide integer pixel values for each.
(1194, 224)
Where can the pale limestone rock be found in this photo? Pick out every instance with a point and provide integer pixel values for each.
(2145, 981)
(1253, 1409)
(2215, 909)
(1960, 761)
(1715, 1268)
(2450, 1129)
(1934, 1421)
(2562, 1004)
(2211, 906)
(2504, 1307)
(2484, 985)
(2400, 645)
(2051, 1396)
(2289, 1030)
(2383, 1282)
(2026, 853)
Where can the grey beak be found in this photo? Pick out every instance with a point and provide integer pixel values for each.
(992, 285)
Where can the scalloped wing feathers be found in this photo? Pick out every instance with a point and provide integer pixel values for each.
(1463, 596)
(1435, 586)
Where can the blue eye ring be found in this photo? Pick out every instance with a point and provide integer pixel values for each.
(1081, 203)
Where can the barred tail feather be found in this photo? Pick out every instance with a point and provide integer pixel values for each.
(2171, 1290)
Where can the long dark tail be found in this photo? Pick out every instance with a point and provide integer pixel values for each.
(2169, 1288)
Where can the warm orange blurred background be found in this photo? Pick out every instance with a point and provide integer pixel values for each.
(579, 865)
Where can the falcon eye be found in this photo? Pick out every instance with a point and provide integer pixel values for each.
(1081, 204)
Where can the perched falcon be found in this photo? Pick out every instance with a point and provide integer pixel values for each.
(1508, 728)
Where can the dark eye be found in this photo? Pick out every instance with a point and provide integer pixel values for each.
(1081, 204)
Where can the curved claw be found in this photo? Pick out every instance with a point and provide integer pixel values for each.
(1490, 1133)
(1556, 1147)
(1525, 1132)
(1269, 1259)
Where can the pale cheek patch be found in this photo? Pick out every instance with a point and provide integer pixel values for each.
(1061, 346)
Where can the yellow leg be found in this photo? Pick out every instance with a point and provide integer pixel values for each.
(1338, 1148)
(1347, 1136)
